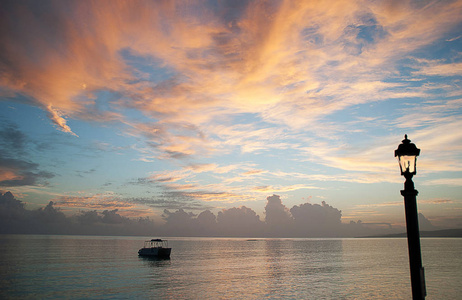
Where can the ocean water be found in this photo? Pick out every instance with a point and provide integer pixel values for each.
(83, 267)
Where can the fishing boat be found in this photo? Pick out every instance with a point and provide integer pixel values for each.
(155, 248)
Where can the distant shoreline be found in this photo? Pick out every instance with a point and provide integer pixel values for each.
(445, 233)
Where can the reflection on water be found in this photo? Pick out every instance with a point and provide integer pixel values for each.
(155, 261)
(109, 267)
(304, 267)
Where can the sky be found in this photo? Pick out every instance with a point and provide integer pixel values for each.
(148, 106)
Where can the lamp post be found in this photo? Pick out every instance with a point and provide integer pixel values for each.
(407, 154)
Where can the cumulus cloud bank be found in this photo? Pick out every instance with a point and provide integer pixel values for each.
(304, 220)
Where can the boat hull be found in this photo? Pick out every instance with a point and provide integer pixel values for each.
(155, 252)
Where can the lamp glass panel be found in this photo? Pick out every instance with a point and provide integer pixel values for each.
(407, 161)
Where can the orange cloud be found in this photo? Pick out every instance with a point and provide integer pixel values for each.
(285, 188)
(98, 201)
(445, 181)
(6, 174)
(291, 63)
(436, 201)
(253, 172)
(258, 58)
(218, 196)
(58, 120)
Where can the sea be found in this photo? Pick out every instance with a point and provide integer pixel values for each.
(107, 267)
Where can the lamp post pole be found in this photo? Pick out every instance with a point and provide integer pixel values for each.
(413, 239)
(407, 153)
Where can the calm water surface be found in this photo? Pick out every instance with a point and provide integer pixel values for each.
(33, 267)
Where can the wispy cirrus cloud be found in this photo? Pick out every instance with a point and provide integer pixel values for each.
(305, 62)
(286, 188)
(193, 181)
(444, 181)
(56, 117)
(127, 207)
(454, 38)
(436, 201)
(96, 201)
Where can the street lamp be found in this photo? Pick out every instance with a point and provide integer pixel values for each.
(407, 154)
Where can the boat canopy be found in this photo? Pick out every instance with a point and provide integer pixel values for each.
(156, 243)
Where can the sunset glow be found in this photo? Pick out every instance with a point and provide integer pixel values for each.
(146, 106)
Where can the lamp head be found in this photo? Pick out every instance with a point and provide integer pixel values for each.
(407, 153)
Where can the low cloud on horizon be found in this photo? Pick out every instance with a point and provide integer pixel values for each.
(304, 220)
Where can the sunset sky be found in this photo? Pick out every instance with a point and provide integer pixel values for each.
(143, 106)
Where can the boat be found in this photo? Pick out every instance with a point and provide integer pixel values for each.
(155, 248)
